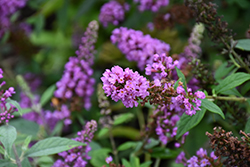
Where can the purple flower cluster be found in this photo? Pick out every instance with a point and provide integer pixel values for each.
(127, 86)
(190, 101)
(162, 66)
(7, 8)
(166, 122)
(6, 109)
(86, 49)
(78, 156)
(138, 47)
(76, 80)
(153, 5)
(201, 160)
(112, 12)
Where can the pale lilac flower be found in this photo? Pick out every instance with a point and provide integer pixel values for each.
(109, 159)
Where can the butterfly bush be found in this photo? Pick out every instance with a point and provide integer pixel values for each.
(125, 85)
(113, 12)
(138, 47)
(78, 156)
(201, 160)
(76, 80)
(7, 8)
(153, 5)
(6, 109)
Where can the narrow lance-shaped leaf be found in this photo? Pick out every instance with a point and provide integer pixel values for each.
(209, 105)
(46, 96)
(181, 78)
(232, 81)
(243, 44)
(52, 145)
(187, 122)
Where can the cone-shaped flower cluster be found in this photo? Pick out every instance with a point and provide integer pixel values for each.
(6, 109)
(138, 47)
(76, 80)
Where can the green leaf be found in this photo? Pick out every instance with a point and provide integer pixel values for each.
(48, 93)
(152, 143)
(247, 127)
(4, 163)
(181, 77)
(24, 111)
(45, 161)
(245, 88)
(146, 164)
(2, 151)
(122, 118)
(232, 81)
(52, 145)
(126, 146)
(7, 137)
(187, 122)
(243, 44)
(233, 91)
(126, 163)
(134, 161)
(16, 104)
(98, 157)
(25, 126)
(222, 71)
(58, 128)
(209, 105)
(163, 153)
(103, 132)
(26, 163)
(26, 143)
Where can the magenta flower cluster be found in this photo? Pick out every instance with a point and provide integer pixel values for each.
(6, 109)
(190, 101)
(78, 156)
(113, 12)
(125, 85)
(138, 47)
(162, 66)
(201, 160)
(153, 5)
(7, 8)
(76, 80)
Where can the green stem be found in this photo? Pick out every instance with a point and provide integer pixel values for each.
(18, 162)
(115, 152)
(231, 50)
(157, 162)
(141, 119)
(227, 98)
